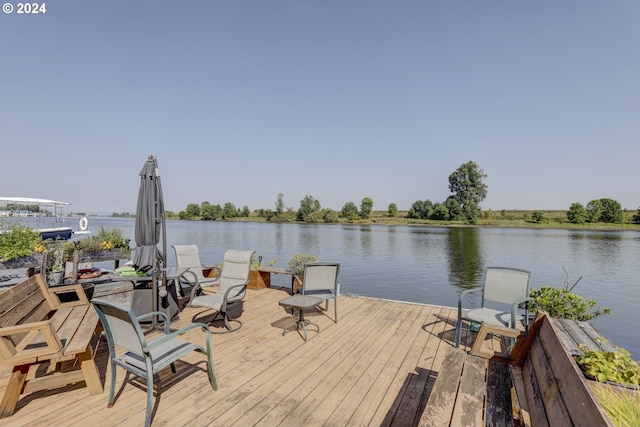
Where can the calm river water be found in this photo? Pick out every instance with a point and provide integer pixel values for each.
(432, 264)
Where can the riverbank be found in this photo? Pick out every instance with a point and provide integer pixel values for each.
(553, 219)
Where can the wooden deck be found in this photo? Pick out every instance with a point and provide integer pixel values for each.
(375, 367)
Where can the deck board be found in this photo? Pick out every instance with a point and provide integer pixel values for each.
(376, 367)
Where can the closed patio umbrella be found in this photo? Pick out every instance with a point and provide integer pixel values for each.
(150, 227)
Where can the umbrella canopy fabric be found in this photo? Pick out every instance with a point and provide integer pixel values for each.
(149, 217)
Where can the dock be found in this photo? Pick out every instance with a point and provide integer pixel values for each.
(376, 367)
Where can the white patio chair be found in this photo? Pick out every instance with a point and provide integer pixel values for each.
(321, 280)
(232, 287)
(188, 259)
(506, 286)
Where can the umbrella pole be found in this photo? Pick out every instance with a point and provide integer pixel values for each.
(161, 262)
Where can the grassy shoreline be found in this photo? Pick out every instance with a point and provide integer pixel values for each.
(499, 219)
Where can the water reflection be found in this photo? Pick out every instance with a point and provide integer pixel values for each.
(464, 258)
(365, 241)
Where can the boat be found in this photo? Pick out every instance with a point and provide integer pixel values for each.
(47, 216)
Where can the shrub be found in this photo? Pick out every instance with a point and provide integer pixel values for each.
(538, 217)
(577, 214)
(613, 366)
(561, 303)
(17, 241)
(297, 261)
(623, 408)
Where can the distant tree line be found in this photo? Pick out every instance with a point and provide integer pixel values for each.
(599, 210)
(467, 188)
(466, 183)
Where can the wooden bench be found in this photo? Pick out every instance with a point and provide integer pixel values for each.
(38, 330)
(539, 385)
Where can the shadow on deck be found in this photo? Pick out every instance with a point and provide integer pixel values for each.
(377, 366)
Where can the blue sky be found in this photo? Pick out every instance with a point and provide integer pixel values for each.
(338, 99)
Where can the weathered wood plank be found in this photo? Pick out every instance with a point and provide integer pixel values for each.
(571, 386)
(469, 408)
(498, 408)
(443, 396)
(555, 408)
(519, 397)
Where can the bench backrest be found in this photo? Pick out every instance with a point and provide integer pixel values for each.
(24, 303)
(557, 393)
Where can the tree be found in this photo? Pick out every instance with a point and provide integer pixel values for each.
(350, 211)
(577, 214)
(330, 215)
(636, 217)
(611, 211)
(245, 212)
(392, 211)
(229, 211)
(468, 187)
(308, 205)
(440, 212)
(207, 211)
(454, 208)
(192, 211)
(280, 204)
(594, 210)
(420, 209)
(366, 206)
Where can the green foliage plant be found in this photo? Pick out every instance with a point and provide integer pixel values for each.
(611, 211)
(636, 217)
(577, 214)
(297, 261)
(256, 262)
(392, 210)
(104, 239)
(308, 205)
(539, 217)
(468, 187)
(350, 211)
(563, 304)
(622, 407)
(366, 206)
(594, 210)
(610, 366)
(17, 241)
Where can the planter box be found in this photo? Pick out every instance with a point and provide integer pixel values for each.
(114, 254)
(256, 280)
(34, 260)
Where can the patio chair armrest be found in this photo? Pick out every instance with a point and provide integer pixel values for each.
(226, 294)
(165, 318)
(514, 309)
(464, 294)
(170, 336)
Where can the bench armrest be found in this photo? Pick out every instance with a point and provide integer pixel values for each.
(20, 353)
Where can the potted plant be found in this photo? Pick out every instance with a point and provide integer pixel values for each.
(105, 244)
(612, 367)
(55, 261)
(296, 265)
(563, 304)
(255, 278)
(18, 246)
